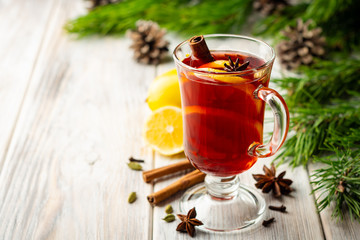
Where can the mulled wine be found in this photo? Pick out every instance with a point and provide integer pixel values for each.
(223, 93)
(221, 117)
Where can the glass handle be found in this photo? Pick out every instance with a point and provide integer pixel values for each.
(281, 123)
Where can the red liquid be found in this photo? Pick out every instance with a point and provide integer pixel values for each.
(222, 119)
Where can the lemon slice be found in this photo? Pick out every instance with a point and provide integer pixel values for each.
(215, 64)
(223, 78)
(164, 130)
(213, 70)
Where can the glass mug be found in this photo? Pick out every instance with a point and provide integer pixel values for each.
(223, 115)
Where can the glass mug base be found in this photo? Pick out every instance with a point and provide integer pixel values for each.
(241, 210)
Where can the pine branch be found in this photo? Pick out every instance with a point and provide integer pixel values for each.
(338, 19)
(340, 25)
(317, 126)
(325, 10)
(211, 16)
(317, 120)
(339, 183)
(272, 25)
(321, 82)
(114, 18)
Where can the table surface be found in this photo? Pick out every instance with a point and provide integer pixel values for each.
(72, 115)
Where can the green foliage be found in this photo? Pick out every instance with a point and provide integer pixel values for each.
(322, 81)
(113, 18)
(342, 29)
(211, 16)
(325, 10)
(325, 106)
(272, 25)
(317, 126)
(338, 19)
(339, 183)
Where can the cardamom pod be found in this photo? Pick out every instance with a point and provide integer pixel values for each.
(169, 218)
(169, 209)
(135, 166)
(132, 197)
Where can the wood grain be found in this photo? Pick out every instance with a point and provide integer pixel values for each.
(22, 27)
(65, 174)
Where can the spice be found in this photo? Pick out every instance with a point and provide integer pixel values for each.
(169, 218)
(132, 197)
(188, 222)
(184, 182)
(266, 223)
(200, 50)
(150, 175)
(135, 166)
(131, 159)
(279, 185)
(235, 67)
(169, 209)
(282, 208)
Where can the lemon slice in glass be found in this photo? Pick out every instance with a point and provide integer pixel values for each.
(164, 130)
(219, 64)
(219, 77)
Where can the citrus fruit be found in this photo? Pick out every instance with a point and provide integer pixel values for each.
(219, 64)
(220, 77)
(164, 91)
(164, 130)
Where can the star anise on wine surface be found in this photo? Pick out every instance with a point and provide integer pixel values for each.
(188, 222)
(235, 67)
(279, 185)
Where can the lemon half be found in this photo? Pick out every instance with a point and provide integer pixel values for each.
(164, 130)
(164, 91)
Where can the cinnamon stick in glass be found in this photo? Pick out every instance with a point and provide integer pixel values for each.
(185, 182)
(200, 50)
(150, 175)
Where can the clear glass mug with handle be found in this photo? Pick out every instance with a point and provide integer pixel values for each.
(223, 115)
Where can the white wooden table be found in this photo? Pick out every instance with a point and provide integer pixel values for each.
(71, 115)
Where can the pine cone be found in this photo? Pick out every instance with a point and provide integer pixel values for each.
(267, 7)
(96, 3)
(148, 43)
(302, 45)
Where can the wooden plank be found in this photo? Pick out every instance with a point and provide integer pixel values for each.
(22, 26)
(65, 174)
(301, 221)
(333, 229)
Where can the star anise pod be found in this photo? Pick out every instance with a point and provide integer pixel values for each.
(235, 67)
(188, 222)
(279, 185)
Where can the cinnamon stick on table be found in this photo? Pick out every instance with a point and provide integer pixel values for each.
(163, 171)
(185, 182)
